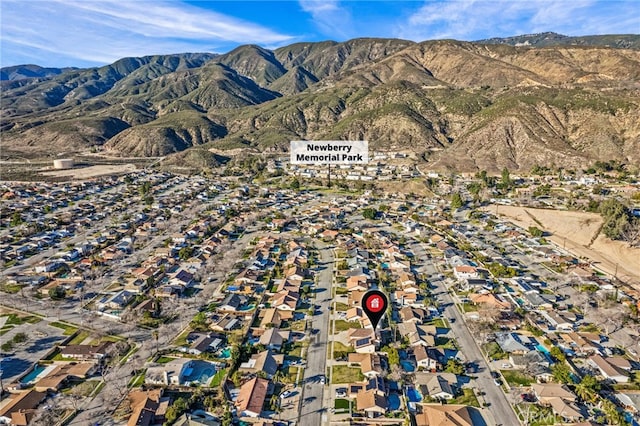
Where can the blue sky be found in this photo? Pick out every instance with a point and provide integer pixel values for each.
(91, 32)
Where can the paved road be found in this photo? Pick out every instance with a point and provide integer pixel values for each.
(499, 408)
(314, 410)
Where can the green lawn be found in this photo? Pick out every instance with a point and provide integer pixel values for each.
(340, 348)
(517, 378)
(467, 398)
(58, 357)
(79, 338)
(493, 351)
(292, 374)
(468, 307)
(438, 322)
(181, 340)
(137, 381)
(217, 379)
(296, 351)
(14, 319)
(297, 325)
(342, 405)
(68, 329)
(341, 306)
(346, 374)
(342, 325)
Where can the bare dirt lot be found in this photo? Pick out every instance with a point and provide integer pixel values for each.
(579, 233)
(92, 171)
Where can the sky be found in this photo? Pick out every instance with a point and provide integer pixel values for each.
(84, 33)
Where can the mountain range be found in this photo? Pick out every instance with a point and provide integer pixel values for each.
(541, 99)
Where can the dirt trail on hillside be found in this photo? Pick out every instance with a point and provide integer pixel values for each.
(578, 232)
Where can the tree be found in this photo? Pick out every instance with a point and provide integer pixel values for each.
(535, 231)
(506, 178)
(392, 355)
(176, 409)
(16, 219)
(369, 213)
(295, 184)
(561, 373)
(588, 388)
(20, 337)
(557, 354)
(57, 293)
(454, 366)
(456, 201)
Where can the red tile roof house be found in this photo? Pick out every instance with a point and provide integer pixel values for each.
(251, 397)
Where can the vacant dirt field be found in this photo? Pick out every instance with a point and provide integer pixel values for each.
(92, 171)
(579, 233)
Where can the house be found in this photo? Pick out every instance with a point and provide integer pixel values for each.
(437, 386)
(232, 303)
(272, 317)
(567, 410)
(264, 361)
(423, 360)
(559, 321)
(371, 403)
(274, 338)
(512, 343)
(545, 392)
(418, 334)
(251, 397)
(362, 340)
(285, 300)
(355, 297)
(437, 415)
(86, 352)
(20, 409)
(410, 314)
(354, 314)
(62, 374)
(204, 343)
(609, 370)
(225, 323)
(369, 363)
(463, 272)
(490, 300)
(117, 301)
(148, 407)
(182, 278)
(295, 273)
(357, 283)
(528, 359)
(171, 373)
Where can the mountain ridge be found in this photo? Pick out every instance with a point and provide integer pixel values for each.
(456, 104)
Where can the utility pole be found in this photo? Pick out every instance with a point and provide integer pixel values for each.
(329, 176)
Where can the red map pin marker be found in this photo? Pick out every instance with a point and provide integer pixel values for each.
(374, 303)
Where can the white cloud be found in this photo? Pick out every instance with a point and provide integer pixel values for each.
(330, 17)
(475, 19)
(103, 31)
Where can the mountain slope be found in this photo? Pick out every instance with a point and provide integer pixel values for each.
(21, 72)
(456, 104)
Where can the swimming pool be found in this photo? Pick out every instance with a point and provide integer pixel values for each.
(33, 374)
(413, 395)
(226, 353)
(407, 366)
(393, 402)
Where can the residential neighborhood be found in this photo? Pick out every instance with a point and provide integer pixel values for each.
(155, 298)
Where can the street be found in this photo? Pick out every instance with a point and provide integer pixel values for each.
(314, 410)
